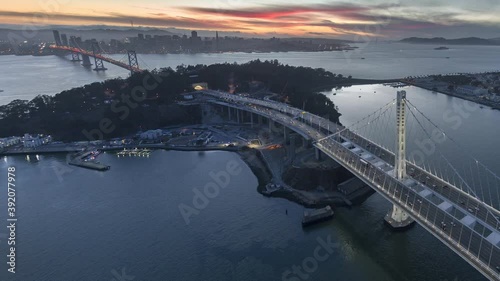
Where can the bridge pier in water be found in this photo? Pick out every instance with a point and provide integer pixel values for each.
(86, 61)
(75, 57)
(397, 217)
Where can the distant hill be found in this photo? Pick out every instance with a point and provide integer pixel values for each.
(459, 41)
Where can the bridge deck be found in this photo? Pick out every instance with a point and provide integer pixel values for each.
(91, 54)
(462, 222)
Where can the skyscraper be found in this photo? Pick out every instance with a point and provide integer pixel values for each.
(217, 41)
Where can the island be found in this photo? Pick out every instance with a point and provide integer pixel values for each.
(458, 41)
(165, 109)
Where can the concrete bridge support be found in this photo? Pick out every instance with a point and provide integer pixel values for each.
(397, 218)
(272, 127)
(244, 114)
(317, 154)
(305, 143)
(292, 147)
(259, 120)
(75, 57)
(286, 134)
(238, 116)
(251, 119)
(86, 61)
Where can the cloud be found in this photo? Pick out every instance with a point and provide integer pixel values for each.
(407, 18)
(117, 18)
(282, 12)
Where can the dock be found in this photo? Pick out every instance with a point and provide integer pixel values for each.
(86, 160)
(90, 165)
(135, 152)
(317, 215)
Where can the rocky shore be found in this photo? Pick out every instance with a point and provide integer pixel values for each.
(295, 184)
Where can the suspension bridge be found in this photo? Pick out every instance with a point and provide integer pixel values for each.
(72, 46)
(460, 207)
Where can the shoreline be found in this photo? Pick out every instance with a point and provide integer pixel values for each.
(260, 168)
(254, 159)
(451, 94)
(346, 49)
(355, 82)
(119, 148)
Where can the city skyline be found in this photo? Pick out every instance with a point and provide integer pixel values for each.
(332, 19)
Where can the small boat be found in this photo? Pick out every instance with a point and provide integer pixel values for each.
(359, 96)
(1, 91)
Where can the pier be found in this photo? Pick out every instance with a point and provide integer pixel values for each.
(86, 160)
(317, 215)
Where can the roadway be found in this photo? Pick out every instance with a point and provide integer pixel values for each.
(91, 54)
(465, 224)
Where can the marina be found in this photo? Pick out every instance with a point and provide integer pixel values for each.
(136, 152)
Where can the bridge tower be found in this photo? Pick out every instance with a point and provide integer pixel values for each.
(74, 55)
(57, 37)
(132, 60)
(400, 165)
(86, 61)
(99, 64)
(398, 218)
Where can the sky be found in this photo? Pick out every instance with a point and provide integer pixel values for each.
(355, 19)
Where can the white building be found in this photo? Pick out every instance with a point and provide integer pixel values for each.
(35, 141)
(6, 142)
(471, 90)
(32, 142)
